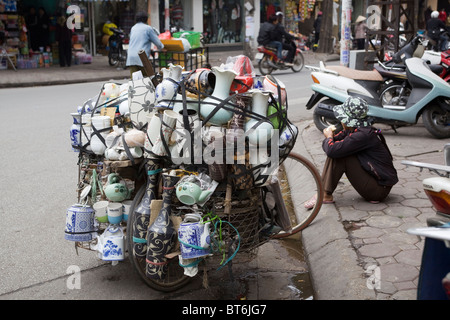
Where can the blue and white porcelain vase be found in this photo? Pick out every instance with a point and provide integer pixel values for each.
(75, 132)
(224, 78)
(142, 211)
(167, 89)
(161, 234)
(79, 223)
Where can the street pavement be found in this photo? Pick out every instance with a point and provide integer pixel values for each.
(355, 250)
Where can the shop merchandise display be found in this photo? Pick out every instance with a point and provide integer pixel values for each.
(175, 172)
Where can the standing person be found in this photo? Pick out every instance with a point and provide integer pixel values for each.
(360, 32)
(267, 36)
(64, 38)
(360, 151)
(33, 34)
(434, 26)
(43, 25)
(286, 40)
(317, 24)
(141, 38)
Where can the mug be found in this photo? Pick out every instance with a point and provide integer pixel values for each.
(115, 212)
(126, 205)
(100, 209)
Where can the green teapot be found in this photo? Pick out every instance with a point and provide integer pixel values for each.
(116, 191)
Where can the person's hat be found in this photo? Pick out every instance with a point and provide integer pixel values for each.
(279, 13)
(319, 13)
(353, 112)
(360, 19)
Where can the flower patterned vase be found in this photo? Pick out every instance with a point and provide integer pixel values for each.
(142, 211)
(257, 130)
(224, 78)
(167, 89)
(161, 234)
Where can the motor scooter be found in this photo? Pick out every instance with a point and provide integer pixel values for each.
(268, 61)
(429, 98)
(118, 48)
(434, 275)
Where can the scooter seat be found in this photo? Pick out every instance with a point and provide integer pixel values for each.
(373, 75)
(436, 68)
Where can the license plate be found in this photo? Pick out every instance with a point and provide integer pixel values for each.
(125, 46)
(259, 56)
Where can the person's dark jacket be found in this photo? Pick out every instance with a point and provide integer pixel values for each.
(368, 144)
(280, 33)
(434, 26)
(317, 23)
(267, 33)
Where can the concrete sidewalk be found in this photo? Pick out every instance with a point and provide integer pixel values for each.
(100, 70)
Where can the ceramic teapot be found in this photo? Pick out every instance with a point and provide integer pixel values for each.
(111, 244)
(194, 237)
(189, 193)
(115, 190)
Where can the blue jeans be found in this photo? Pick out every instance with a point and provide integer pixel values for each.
(279, 46)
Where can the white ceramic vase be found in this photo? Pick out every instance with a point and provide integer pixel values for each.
(262, 132)
(168, 124)
(224, 78)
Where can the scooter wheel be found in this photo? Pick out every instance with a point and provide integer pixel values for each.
(299, 62)
(436, 121)
(264, 66)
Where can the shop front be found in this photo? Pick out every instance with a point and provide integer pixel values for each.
(28, 28)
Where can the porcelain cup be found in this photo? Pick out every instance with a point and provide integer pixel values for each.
(101, 213)
(115, 213)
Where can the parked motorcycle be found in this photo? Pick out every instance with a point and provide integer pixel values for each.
(118, 46)
(268, 61)
(429, 98)
(434, 276)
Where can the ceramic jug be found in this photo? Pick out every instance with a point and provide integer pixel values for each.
(224, 78)
(167, 89)
(111, 244)
(116, 191)
(79, 223)
(161, 234)
(142, 211)
(194, 237)
(258, 129)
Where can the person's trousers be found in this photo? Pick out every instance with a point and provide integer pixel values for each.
(365, 184)
(279, 46)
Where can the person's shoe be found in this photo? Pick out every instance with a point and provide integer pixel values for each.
(288, 64)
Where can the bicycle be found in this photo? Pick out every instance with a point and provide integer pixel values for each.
(299, 180)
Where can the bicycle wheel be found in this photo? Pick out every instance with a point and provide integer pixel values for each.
(300, 181)
(174, 278)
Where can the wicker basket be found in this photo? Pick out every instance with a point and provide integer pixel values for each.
(241, 215)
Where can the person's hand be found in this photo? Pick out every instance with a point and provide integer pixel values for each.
(328, 132)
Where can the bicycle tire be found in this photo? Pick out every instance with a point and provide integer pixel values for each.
(299, 181)
(175, 278)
